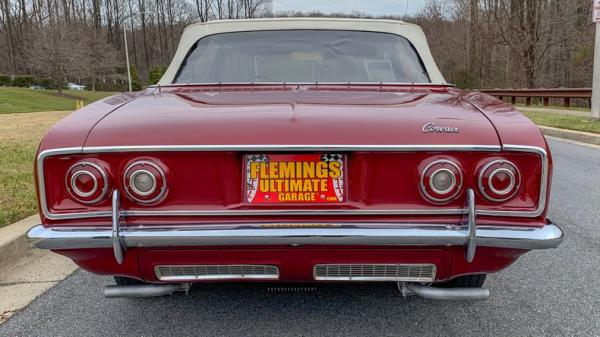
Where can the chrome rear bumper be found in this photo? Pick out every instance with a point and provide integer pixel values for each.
(470, 235)
(370, 234)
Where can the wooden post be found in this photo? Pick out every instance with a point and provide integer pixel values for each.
(567, 102)
(546, 101)
(528, 101)
(513, 100)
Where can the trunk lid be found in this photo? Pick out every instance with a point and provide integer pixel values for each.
(294, 116)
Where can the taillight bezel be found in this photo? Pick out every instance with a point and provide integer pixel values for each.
(159, 177)
(99, 176)
(485, 183)
(430, 193)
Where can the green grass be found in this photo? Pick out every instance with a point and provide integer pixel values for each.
(17, 182)
(19, 137)
(14, 100)
(562, 121)
(556, 107)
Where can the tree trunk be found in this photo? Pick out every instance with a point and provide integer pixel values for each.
(473, 37)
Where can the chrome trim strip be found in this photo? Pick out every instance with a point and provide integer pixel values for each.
(371, 234)
(289, 148)
(295, 84)
(305, 212)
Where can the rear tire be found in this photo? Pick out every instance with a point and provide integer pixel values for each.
(127, 281)
(467, 281)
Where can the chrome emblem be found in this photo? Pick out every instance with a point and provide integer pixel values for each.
(430, 127)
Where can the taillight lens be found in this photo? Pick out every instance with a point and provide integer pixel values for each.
(441, 181)
(499, 180)
(145, 182)
(87, 182)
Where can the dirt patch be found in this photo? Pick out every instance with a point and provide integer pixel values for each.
(28, 127)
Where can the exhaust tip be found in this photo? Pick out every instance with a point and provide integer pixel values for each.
(452, 294)
(144, 290)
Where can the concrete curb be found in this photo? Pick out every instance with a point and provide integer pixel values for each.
(26, 273)
(577, 136)
(12, 240)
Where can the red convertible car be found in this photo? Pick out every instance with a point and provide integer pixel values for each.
(296, 150)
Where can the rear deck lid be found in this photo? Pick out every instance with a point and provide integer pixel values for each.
(295, 116)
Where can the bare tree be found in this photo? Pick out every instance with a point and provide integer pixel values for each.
(477, 43)
(58, 52)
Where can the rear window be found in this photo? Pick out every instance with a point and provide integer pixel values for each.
(302, 56)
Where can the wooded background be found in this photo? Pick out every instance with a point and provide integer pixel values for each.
(476, 43)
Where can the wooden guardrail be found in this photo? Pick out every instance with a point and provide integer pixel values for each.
(566, 94)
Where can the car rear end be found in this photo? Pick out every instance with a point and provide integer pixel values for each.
(296, 150)
(312, 213)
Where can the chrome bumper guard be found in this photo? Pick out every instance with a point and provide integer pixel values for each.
(468, 235)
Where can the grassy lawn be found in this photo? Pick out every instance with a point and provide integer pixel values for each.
(556, 107)
(31, 100)
(19, 138)
(570, 122)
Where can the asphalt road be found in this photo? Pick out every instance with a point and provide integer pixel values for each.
(546, 293)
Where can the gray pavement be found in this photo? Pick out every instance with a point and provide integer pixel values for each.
(545, 293)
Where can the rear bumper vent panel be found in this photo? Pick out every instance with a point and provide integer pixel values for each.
(216, 272)
(375, 272)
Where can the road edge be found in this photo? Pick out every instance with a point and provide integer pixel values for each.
(575, 136)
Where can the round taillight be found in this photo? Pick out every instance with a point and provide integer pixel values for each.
(145, 182)
(441, 181)
(87, 182)
(499, 180)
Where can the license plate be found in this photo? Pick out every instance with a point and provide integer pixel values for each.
(295, 178)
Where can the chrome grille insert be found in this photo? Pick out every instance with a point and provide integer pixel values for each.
(375, 272)
(216, 272)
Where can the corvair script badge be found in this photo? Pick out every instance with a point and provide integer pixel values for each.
(430, 127)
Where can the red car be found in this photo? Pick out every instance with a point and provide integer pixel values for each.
(296, 150)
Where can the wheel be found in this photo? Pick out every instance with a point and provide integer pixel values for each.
(467, 281)
(127, 281)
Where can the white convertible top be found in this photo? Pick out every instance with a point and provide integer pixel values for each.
(411, 32)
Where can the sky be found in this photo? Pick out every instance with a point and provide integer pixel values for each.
(370, 7)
